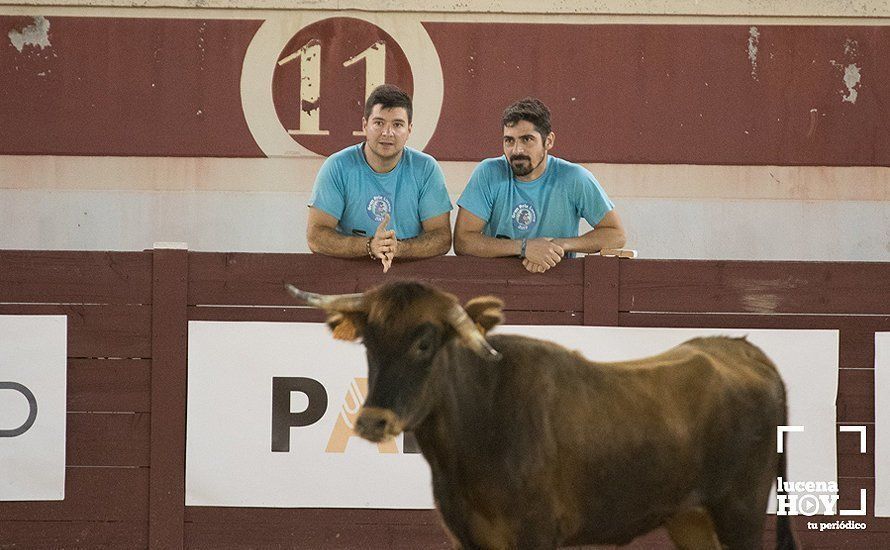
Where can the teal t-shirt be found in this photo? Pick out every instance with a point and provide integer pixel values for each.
(348, 189)
(550, 206)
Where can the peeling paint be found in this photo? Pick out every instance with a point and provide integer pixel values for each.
(753, 43)
(852, 74)
(32, 35)
(309, 106)
(814, 120)
(851, 79)
(759, 296)
(760, 303)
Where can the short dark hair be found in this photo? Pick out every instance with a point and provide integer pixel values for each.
(532, 110)
(388, 97)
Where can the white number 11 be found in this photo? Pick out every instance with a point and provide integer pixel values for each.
(310, 81)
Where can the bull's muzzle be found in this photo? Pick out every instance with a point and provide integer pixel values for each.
(378, 425)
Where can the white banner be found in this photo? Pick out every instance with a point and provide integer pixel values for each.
(33, 374)
(882, 424)
(241, 452)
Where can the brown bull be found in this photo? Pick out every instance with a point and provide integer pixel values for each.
(533, 446)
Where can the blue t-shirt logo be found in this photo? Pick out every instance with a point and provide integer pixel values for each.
(524, 217)
(379, 207)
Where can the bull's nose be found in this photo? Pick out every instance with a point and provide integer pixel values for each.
(371, 427)
(376, 424)
(368, 424)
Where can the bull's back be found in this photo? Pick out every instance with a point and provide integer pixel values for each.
(690, 423)
(614, 448)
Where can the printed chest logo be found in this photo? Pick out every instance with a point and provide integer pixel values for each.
(524, 217)
(378, 207)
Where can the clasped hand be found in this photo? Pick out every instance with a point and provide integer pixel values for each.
(384, 244)
(541, 254)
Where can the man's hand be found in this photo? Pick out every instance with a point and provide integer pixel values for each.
(543, 252)
(384, 244)
(534, 268)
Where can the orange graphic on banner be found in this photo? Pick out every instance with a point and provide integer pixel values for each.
(343, 429)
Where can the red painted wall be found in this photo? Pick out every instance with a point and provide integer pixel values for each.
(619, 93)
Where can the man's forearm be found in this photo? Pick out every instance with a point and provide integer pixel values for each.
(477, 244)
(594, 240)
(426, 245)
(327, 241)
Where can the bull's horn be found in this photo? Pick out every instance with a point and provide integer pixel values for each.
(468, 331)
(333, 302)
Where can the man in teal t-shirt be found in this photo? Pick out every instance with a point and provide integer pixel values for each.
(528, 203)
(365, 187)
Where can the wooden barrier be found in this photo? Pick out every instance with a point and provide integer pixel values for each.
(127, 333)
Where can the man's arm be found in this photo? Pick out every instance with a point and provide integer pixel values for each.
(469, 240)
(323, 238)
(434, 240)
(608, 233)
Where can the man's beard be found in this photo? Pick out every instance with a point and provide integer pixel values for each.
(524, 169)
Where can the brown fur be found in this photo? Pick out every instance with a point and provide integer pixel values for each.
(545, 448)
(486, 312)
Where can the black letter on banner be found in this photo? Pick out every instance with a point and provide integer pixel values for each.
(32, 406)
(282, 417)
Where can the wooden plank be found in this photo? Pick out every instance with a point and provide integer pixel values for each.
(91, 494)
(98, 331)
(110, 385)
(543, 317)
(756, 287)
(856, 332)
(519, 294)
(309, 315)
(75, 277)
(333, 536)
(318, 528)
(108, 439)
(230, 528)
(874, 536)
(858, 339)
(849, 493)
(52, 535)
(201, 514)
(601, 279)
(851, 462)
(856, 396)
(169, 339)
(258, 279)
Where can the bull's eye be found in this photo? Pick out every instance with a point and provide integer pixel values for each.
(422, 347)
(424, 342)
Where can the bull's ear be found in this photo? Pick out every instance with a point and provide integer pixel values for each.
(347, 326)
(486, 312)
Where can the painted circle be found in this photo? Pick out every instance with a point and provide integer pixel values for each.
(340, 90)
